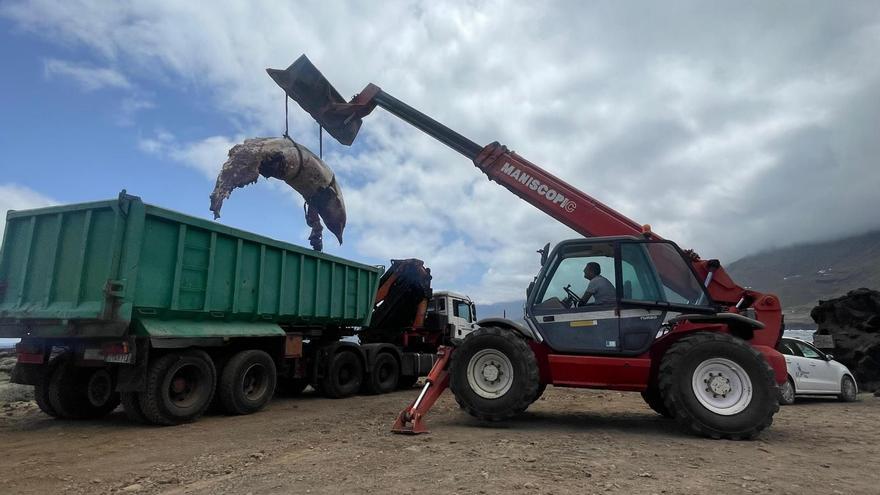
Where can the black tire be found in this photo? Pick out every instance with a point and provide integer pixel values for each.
(541, 388)
(384, 375)
(81, 393)
(247, 382)
(491, 352)
(787, 393)
(406, 382)
(848, 390)
(41, 389)
(194, 377)
(749, 414)
(291, 387)
(131, 404)
(654, 400)
(344, 376)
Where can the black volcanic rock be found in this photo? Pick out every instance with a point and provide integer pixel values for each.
(853, 321)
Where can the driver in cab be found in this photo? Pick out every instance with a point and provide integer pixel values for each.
(599, 288)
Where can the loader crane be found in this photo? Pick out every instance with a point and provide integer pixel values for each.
(699, 347)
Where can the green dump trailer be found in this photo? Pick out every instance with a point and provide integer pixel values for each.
(123, 301)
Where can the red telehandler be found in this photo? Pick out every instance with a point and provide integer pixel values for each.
(673, 326)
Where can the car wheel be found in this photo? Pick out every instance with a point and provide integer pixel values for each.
(848, 391)
(786, 393)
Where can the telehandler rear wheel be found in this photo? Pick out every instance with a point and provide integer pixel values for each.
(494, 374)
(718, 386)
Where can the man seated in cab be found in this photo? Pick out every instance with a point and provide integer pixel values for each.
(599, 288)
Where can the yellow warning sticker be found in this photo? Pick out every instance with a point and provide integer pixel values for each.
(582, 323)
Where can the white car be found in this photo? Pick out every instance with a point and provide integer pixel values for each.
(812, 372)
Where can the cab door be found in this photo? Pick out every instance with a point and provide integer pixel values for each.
(568, 323)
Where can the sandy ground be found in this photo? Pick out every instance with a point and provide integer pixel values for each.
(570, 441)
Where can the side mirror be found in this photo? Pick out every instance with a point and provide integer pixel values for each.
(829, 357)
(545, 251)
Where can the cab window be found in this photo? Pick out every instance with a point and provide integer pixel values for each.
(569, 280)
(463, 310)
(640, 281)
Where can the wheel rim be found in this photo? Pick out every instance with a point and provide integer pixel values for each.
(722, 386)
(183, 388)
(255, 381)
(490, 374)
(788, 392)
(99, 388)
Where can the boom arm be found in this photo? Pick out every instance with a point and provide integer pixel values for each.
(562, 201)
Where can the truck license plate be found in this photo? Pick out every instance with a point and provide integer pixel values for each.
(118, 358)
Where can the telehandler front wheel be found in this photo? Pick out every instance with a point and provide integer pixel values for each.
(494, 374)
(718, 386)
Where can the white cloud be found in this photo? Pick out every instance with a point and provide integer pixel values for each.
(18, 197)
(206, 155)
(729, 128)
(88, 77)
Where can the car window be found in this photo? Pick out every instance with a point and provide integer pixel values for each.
(785, 348)
(807, 351)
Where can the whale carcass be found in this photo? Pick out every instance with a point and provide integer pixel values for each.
(282, 158)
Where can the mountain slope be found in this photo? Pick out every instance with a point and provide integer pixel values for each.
(801, 275)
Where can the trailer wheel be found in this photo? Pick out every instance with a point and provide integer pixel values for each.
(179, 387)
(131, 404)
(81, 393)
(384, 375)
(344, 375)
(718, 386)
(494, 374)
(654, 400)
(41, 389)
(247, 382)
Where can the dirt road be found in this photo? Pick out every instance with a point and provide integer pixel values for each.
(570, 441)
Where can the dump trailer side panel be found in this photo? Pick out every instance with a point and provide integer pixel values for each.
(87, 270)
(193, 266)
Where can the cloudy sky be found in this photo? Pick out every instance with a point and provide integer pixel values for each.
(729, 128)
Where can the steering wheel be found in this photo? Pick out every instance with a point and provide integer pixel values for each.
(575, 299)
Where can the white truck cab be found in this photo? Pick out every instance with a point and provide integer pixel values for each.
(455, 311)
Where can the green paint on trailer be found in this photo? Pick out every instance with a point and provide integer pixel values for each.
(90, 269)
